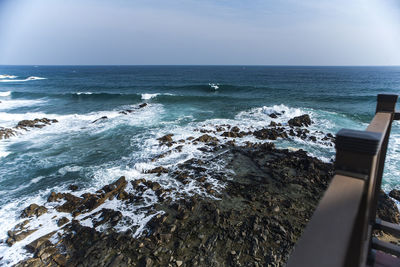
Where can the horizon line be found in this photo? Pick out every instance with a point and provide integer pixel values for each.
(194, 65)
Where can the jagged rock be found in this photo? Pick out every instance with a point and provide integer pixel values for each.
(33, 210)
(205, 138)
(142, 105)
(77, 205)
(270, 133)
(107, 216)
(73, 187)
(395, 194)
(36, 123)
(100, 119)
(274, 115)
(54, 196)
(62, 221)
(158, 170)
(37, 243)
(235, 129)
(15, 236)
(387, 209)
(303, 120)
(6, 133)
(166, 140)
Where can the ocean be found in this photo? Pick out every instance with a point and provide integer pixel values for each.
(180, 100)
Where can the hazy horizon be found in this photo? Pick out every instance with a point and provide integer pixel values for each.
(153, 32)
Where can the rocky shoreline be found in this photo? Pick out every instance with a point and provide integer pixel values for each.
(6, 133)
(251, 215)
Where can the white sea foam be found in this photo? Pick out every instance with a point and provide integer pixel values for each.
(5, 76)
(8, 93)
(4, 153)
(148, 96)
(11, 104)
(30, 78)
(84, 93)
(214, 86)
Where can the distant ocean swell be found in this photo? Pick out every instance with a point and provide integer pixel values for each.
(12, 78)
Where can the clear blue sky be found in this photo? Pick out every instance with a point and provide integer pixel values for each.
(266, 32)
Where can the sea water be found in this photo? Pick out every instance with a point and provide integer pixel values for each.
(180, 100)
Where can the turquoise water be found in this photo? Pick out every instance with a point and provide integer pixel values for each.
(180, 99)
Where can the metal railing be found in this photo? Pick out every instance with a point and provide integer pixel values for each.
(340, 230)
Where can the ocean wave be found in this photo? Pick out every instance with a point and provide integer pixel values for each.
(11, 104)
(214, 86)
(5, 76)
(84, 93)
(3, 94)
(30, 78)
(148, 96)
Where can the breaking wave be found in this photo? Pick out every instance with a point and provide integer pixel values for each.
(30, 78)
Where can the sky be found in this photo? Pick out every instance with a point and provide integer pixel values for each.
(199, 32)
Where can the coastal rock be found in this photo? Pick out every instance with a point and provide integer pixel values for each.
(303, 120)
(142, 105)
(395, 194)
(37, 243)
(270, 133)
(274, 115)
(33, 210)
(6, 133)
(205, 138)
(100, 119)
(36, 123)
(62, 221)
(73, 187)
(387, 209)
(87, 202)
(158, 170)
(166, 140)
(18, 236)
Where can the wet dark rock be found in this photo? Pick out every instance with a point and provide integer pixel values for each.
(387, 209)
(274, 115)
(100, 119)
(158, 170)
(87, 202)
(6, 133)
(270, 133)
(73, 187)
(36, 123)
(107, 216)
(395, 194)
(166, 140)
(33, 210)
(303, 120)
(62, 221)
(18, 236)
(142, 105)
(35, 245)
(235, 129)
(205, 138)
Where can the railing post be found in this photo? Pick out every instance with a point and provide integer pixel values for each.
(356, 156)
(386, 104)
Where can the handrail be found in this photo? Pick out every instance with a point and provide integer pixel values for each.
(339, 232)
